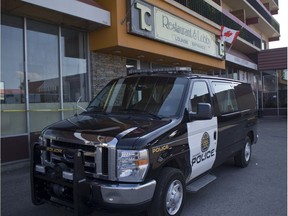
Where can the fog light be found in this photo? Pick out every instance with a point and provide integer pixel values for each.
(67, 175)
(40, 168)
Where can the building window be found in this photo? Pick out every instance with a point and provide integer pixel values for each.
(274, 92)
(183, 2)
(282, 91)
(230, 73)
(74, 69)
(131, 64)
(13, 116)
(269, 90)
(74, 65)
(43, 62)
(263, 45)
(50, 60)
(43, 74)
(145, 65)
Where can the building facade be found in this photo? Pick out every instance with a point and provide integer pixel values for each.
(54, 53)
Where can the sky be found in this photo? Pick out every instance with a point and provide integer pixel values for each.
(282, 18)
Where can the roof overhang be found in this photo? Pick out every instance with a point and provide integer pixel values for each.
(68, 12)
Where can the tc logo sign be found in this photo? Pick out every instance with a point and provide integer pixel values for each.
(142, 18)
(144, 12)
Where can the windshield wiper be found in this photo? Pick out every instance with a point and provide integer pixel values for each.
(131, 110)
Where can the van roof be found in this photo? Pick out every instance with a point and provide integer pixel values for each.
(175, 72)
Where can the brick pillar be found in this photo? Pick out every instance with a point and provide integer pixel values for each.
(105, 67)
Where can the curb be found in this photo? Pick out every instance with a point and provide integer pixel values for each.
(11, 166)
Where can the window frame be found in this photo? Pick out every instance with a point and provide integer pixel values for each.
(190, 94)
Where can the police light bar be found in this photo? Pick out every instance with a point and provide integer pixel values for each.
(162, 70)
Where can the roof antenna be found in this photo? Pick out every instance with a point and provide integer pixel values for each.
(78, 106)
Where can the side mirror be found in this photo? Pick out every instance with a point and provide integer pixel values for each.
(204, 112)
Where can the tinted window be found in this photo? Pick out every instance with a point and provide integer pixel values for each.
(200, 94)
(225, 96)
(245, 96)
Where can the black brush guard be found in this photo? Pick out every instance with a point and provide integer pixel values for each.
(51, 187)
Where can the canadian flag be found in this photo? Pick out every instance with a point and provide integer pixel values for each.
(228, 35)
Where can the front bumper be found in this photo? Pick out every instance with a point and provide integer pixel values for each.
(128, 194)
(76, 191)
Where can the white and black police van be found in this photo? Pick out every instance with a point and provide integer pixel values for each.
(144, 141)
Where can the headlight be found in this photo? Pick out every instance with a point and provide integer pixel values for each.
(132, 165)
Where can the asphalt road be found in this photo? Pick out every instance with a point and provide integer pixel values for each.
(257, 190)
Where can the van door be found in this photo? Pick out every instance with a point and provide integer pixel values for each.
(202, 134)
(230, 121)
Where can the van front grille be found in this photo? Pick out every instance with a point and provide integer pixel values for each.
(92, 153)
(105, 161)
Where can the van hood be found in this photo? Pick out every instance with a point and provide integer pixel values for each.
(86, 128)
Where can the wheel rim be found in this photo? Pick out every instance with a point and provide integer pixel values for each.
(247, 151)
(174, 197)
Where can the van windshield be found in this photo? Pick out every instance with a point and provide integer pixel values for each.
(144, 95)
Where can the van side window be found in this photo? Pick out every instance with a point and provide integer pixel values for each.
(245, 96)
(225, 96)
(200, 94)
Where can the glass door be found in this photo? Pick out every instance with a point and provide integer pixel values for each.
(270, 95)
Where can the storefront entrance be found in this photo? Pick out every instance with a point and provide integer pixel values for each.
(274, 95)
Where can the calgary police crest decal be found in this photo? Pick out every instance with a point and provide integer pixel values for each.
(205, 142)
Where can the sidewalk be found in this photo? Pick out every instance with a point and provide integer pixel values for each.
(6, 167)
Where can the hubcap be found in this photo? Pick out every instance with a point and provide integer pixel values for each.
(174, 197)
(247, 151)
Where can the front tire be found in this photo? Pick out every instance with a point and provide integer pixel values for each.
(169, 195)
(242, 158)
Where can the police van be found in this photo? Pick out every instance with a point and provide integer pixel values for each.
(144, 141)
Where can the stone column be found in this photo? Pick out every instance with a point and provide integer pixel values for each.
(105, 67)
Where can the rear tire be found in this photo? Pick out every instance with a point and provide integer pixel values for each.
(242, 158)
(169, 195)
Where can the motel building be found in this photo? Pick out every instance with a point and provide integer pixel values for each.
(54, 53)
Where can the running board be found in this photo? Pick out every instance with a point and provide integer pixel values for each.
(200, 183)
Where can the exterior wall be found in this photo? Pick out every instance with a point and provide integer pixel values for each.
(116, 39)
(14, 148)
(104, 68)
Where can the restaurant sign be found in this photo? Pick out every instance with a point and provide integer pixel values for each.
(152, 22)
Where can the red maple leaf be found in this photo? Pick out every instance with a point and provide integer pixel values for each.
(228, 33)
